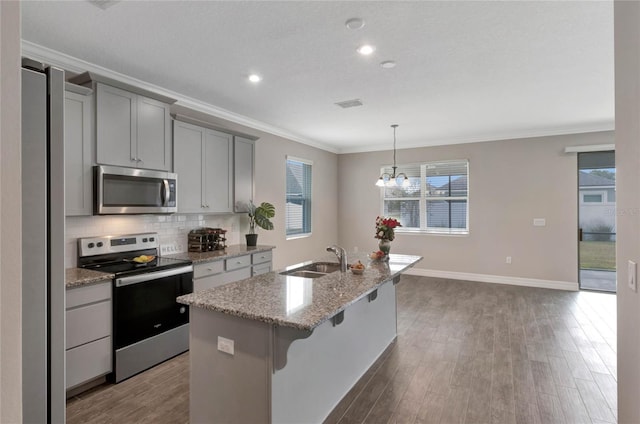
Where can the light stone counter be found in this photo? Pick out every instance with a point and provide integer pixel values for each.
(269, 297)
(229, 252)
(76, 277)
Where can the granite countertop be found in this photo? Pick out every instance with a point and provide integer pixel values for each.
(76, 277)
(301, 303)
(230, 252)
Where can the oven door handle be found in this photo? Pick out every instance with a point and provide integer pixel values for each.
(150, 276)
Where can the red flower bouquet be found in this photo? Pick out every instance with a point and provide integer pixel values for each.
(384, 228)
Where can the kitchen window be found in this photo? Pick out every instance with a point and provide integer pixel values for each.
(436, 200)
(298, 202)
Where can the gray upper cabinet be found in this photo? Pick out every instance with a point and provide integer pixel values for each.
(203, 161)
(132, 130)
(78, 144)
(243, 172)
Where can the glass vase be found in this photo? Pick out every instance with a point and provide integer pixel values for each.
(385, 246)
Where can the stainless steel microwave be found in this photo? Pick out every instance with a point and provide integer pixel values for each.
(120, 190)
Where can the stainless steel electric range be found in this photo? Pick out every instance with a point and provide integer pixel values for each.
(149, 326)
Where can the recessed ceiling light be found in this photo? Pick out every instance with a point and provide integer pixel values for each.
(366, 49)
(354, 23)
(388, 64)
(255, 78)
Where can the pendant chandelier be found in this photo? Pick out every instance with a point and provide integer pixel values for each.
(393, 180)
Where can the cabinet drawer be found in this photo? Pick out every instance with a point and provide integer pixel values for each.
(238, 262)
(220, 279)
(86, 362)
(261, 257)
(88, 294)
(88, 323)
(208, 268)
(261, 269)
(237, 275)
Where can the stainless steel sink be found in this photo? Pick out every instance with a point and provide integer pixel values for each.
(304, 274)
(313, 270)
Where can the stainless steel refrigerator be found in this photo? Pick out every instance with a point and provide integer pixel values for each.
(43, 244)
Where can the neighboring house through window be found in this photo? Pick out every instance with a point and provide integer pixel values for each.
(298, 202)
(435, 201)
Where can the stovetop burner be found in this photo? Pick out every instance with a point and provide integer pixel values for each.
(130, 267)
(114, 254)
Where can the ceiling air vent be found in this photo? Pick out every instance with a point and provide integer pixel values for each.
(350, 103)
(104, 4)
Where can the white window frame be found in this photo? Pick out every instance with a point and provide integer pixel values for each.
(299, 235)
(601, 193)
(423, 198)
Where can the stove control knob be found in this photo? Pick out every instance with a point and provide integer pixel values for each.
(152, 239)
(183, 309)
(90, 245)
(100, 244)
(144, 240)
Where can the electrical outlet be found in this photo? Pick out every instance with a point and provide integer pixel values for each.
(539, 222)
(632, 276)
(225, 345)
(508, 260)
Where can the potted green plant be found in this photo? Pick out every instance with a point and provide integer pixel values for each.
(259, 216)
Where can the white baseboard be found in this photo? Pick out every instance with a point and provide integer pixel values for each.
(496, 279)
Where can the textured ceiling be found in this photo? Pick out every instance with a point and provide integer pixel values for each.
(466, 71)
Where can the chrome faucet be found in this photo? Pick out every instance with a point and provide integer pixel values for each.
(341, 254)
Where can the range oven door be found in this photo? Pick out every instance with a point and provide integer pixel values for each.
(144, 305)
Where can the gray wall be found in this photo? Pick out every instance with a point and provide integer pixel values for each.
(511, 182)
(270, 185)
(10, 216)
(627, 64)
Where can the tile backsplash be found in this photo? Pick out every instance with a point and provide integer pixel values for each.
(172, 229)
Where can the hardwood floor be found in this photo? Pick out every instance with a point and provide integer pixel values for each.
(465, 353)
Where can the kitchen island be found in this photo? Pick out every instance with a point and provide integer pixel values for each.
(280, 348)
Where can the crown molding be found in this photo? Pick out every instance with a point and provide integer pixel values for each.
(73, 64)
(515, 135)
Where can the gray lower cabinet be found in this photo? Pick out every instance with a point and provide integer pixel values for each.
(203, 162)
(261, 262)
(218, 273)
(88, 333)
(243, 172)
(78, 145)
(132, 130)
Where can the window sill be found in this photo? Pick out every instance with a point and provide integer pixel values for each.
(298, 236)
(432, 233)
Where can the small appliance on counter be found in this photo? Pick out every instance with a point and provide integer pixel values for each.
(207, 239)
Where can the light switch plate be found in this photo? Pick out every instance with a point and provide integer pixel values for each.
(225, 345)
(632, 269)
(539, 222)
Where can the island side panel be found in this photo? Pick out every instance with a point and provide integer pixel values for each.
(228, 388)
(322, 368)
